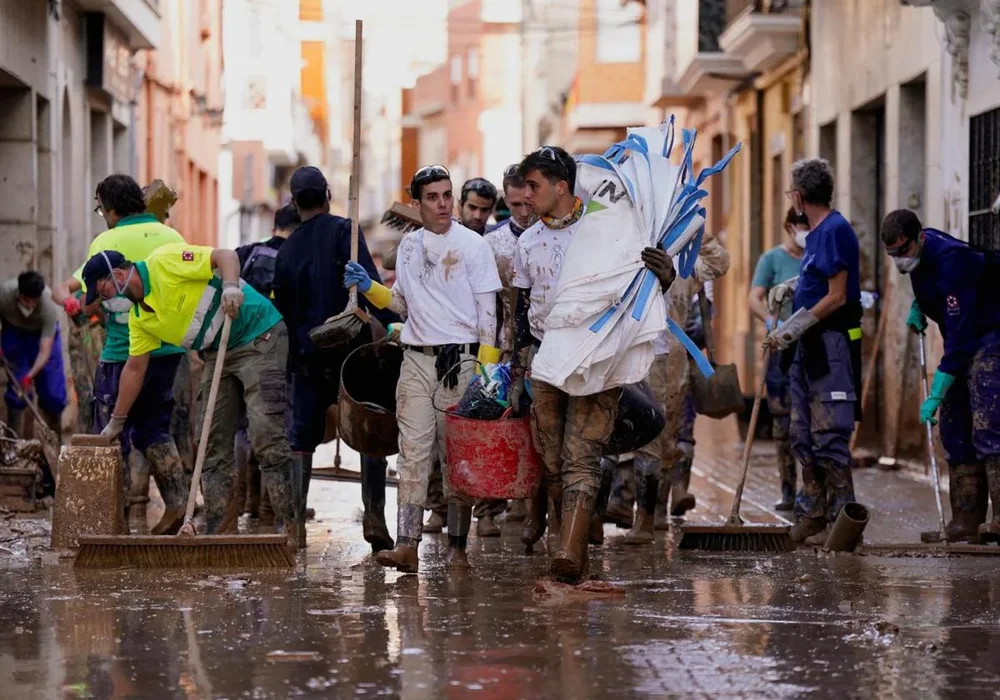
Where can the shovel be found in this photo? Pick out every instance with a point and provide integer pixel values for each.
(719, 395)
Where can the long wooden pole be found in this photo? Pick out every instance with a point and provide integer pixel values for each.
(355, 157)
(870, 368)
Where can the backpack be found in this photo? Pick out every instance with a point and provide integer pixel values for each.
(258, 271)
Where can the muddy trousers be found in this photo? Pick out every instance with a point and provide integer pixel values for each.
(421, 436)
(970, 412)
(779, 403)
(822, 421)
(253, 383)
(436, 502)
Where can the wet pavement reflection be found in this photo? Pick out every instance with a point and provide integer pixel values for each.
(789, 625)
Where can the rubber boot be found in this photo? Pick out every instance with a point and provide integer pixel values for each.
(301, 473)
(373, 524)
(786, 470)
(403, 557)
(174, 484)
(517, 511)
(661, 520)
(570, 561)
(253, 492)
(555, 523)
(647, 486)
(621, 497)
(459, 522)
(969, 499)
(485, 527)
(266, 520)
(217, 490)
(806, 527)
(681, 501)
(278, 483)
(534, 524)
(601, 506)
(435, 523)
(138, 497)
(990, 532)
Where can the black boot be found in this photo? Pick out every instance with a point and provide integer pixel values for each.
(647, 487)
(301, 475)
(681, 501)
(990, 532)
(174, 483)
(969, 500)
(459, 522)
(534, 524)
(138, 496)
(375, 530)
(786, 469)
(280, 490)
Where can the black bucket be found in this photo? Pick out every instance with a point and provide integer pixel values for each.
(640, 420)
(367, 403)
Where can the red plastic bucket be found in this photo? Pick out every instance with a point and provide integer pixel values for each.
(491, 458)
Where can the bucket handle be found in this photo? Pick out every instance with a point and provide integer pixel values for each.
(441, 383)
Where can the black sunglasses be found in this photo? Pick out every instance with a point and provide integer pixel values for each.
(429, 171)
(481, 186)
(511, 170)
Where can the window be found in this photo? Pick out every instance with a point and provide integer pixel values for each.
(472, 68)
(618, 32)
(984, 179)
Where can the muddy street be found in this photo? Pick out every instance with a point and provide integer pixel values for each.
(339, 625)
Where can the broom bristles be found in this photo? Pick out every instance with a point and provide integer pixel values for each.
(268, 552)
(737, 539)
(340, 329)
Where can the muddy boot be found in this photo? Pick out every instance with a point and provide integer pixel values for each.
(786, 469)
(601, 506)
(661, 519)
(301, 467)
(517, 511)
(969, 500)
(647, 486)
(459, 522)
(403, 557)
(570, 561)
(174, 484)
(435, 524)
(621, 497)
(485, 527)
(534, 524)
(266, 520)
(374, 527)
(818, 539)
(806, 527)
(555, 524)
(280, 490)
(990, 532)
(138, 496)
(680, 500)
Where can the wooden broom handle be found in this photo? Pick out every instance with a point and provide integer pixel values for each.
(206, 424)
(355, 157)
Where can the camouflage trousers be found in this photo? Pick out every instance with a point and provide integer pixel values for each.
(570, 433)
(970, 412)
(253, 382)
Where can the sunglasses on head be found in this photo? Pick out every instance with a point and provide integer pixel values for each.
(429, 171)
(481, 186)
(511, 170)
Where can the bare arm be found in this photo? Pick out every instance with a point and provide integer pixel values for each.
(758, 303)
(227, 262)
(131, 380)
(44, 353)
(836, 296)
(486, 306)
(62, 292)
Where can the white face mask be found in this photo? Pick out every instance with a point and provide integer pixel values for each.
(800, 238)
(906, 265)
(25, 310)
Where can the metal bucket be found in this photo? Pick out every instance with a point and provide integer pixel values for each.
(367, 403)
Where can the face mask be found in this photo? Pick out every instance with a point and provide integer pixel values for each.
(123, 287)
(25, 310)
(800, 238)
(906, 265)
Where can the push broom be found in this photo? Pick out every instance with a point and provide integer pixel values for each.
(187, 550)
(735, 536)
(348, 324)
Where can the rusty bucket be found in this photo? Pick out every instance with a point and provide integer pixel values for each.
(367, 403)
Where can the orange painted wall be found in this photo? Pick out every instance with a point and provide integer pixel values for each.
(313, 83)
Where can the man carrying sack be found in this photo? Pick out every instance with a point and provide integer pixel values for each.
(180, 293)
(446, 285)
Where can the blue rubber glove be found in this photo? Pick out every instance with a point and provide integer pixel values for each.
(916, 321)
(939, 387)
(768, 323)
(354, 274)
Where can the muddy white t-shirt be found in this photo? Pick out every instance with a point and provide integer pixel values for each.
(438, 276)
(537, 264)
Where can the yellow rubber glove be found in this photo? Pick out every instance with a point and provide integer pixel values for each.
(488, 355)
(379, 295)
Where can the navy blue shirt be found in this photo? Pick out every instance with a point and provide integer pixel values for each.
(948, 286)
(309, 280)
(831, 248)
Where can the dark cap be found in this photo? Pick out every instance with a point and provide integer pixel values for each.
(99, 267)
(307, 178)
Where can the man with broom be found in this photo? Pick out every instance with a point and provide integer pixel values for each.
(134, 233)
(308, 290)
(179, 295)
(446, 285)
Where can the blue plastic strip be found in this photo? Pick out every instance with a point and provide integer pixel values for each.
(668, 142)
(720, 166)
(649, 280)
(596, 161)
(689, 255)
(677, 229)
(704, 366)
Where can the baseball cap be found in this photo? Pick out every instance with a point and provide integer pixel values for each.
(307, 178)
(99, 267)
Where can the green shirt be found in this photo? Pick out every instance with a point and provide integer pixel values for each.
(774, 267)
(135, 237)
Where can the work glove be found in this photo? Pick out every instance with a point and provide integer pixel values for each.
(447, 366)
(659, 263)
(26, 382)
(232, 299)
(790, 331)
(781, 294)
(355, 274)
(114, 427)
(72, 306)
(487, 355)
(939, 387)
(916, 320)
(395, 331)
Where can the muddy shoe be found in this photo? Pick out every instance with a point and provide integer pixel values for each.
(570, 561)
(619, 515)
(660, 520)
(989, 532)
(806, 527)
(533, 527)
(681, 501)
(170, 523)
(402, 557)
(485, 527)
(376, 532)
(964, 527)
(435, 524)
(458, 558)
(819, 539)
(517, 511)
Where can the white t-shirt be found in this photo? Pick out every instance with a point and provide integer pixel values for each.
(537, 264)
(438, 275)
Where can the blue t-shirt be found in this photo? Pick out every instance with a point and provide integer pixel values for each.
(774, 267)
(831, 248)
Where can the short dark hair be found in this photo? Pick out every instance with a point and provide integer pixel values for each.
(512, 177)
(553, 163)
(310, 199)
(901, 223)
(31, 284)
(794, 218)
(480, 186)
(287, 217)
(121, 194)
(813, 179)
(427, 175)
